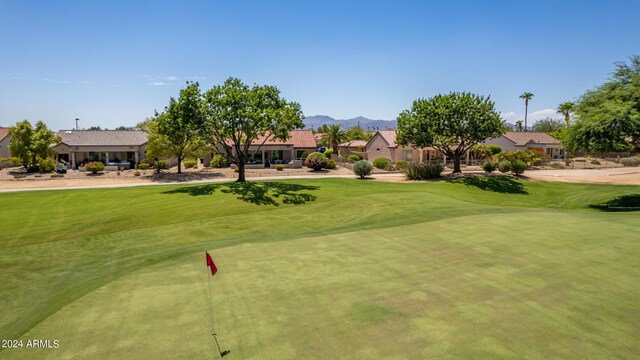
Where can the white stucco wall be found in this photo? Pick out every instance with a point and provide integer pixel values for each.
(378, 147)
(4, 148)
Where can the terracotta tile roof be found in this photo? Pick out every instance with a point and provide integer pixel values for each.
(318, 136)
(103, 137)
(3, 132)
(354, 143)
(389, 136)
(523, 138)
(297, 138)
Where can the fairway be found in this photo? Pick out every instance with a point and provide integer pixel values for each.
(319, 269)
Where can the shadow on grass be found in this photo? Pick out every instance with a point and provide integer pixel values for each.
(620, 203)
(499, 184)
(263, 193)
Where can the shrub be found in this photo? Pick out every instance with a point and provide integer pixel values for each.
(19, 176)
(536, 161)
(94, 167)
(328, 153)
(557, 165)
(630, 161)
(423, 171)
(518, 167)
(354, 157)
(331, 165)
(190, 163)
(149, 161)
(316, 161)
(381, 163)
(401, 164)
(523, 155)
(136, 173)
(9, 162)
(362, 168)
(46, 165)
(595, 162)
(304, 154)
(218, 161)
(236, 169)
(142, 166)
(504, 166)
(163, 164)
(489, 167)
(280, 167)
(57, 175)
(494, 149)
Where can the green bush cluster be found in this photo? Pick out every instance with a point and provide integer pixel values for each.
(218, 161)
(328, 153)
(362, 168)
(595, 162)
(518, 167)
(46, 165)
(401, 165)
(630, 161)
(522, 155)
(504, 166)
(163, 164)
(280, 167)
(381, 163)
(316, 161)
(9, 162)
(94, 167)
(142, 166)
(423, 171)
(331, 165)
(489, 166)
(353, 157)
(190, 163)
(149, 161)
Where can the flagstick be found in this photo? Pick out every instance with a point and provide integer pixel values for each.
(212, 322)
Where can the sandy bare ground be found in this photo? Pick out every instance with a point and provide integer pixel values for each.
(622, 176)
(77, 180)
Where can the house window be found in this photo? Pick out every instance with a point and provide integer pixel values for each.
(300, 153)
(407, 155)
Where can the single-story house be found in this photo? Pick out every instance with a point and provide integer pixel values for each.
(513, 140)
(318, 138)
(266, 149)
(4, 142)
(383, 145)
(117, 148)
(353, 147)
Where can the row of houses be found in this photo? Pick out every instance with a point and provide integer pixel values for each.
(128, 147)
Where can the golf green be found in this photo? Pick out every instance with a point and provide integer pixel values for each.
(487, 267)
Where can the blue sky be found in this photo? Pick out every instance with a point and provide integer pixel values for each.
(113, 63)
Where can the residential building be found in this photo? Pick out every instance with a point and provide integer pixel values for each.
(383, 145)
(544, 142)
(116, 148)
(4, 142)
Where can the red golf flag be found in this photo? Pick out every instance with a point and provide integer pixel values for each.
(211, 264)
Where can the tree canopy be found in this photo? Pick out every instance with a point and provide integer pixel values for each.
(451, 123)
(334, 136)
(30, 144)
(238, 115)
(179, 125)
(608, 117)
(548, 125)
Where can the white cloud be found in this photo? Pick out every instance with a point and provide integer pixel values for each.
(509, 116)
(532, 117)
(158, 83)
(541, 114)
(55, 81)
(172, 78)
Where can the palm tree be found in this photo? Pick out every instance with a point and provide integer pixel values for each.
(334, 135)
(565, 109)
(526, 96)
(519, 125)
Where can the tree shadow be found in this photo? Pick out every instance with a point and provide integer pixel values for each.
(620, 203)
(263, 193)
(499, 184)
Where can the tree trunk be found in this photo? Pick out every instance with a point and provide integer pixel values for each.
(179, 164)
(456, 164)
(240, 165)
(526, 111)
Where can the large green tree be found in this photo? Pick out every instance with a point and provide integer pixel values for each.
(608, 117)
(30, 144)
(451, 123)
(566, 109)
(181, 123)
(334, 136)
(358, 133)
(547, 125)
(526, 96)
(238, 115)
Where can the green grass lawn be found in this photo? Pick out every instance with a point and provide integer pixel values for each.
(328, 268)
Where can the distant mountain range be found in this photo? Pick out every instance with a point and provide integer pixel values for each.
(314, 122)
